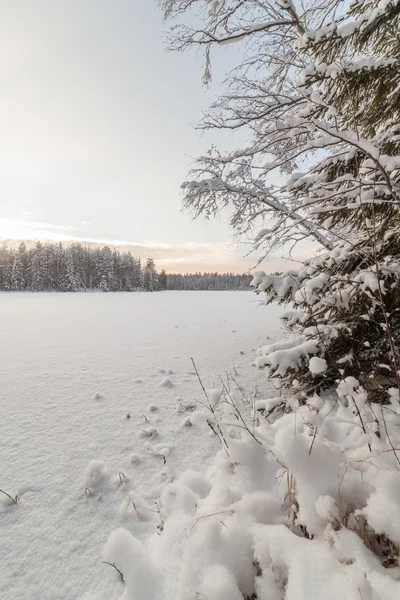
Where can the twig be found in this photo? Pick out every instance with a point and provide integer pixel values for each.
(221, 512)
(116, 568)
(388, 437)
(239, 414)
(313, 440)
(200, 381)
(211, 408)
(14, 500)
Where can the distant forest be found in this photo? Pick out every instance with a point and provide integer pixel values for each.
(77, 267)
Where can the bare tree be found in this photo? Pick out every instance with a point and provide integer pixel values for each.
(260, 92)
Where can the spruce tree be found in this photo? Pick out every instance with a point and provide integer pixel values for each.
(150, 278)
(70, 279)
(38, 267)
(347, 300)
(162, 280)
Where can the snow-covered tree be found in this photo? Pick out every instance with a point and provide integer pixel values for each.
(38, 268)
(150, 277)
(137, 274)
(347, 299)
(162, 280)
(260, 92)
(104, 284)
(208, 281)
(317, 92)
(6, 264)
(107, 268)
(74, 267)
(19, 269)
(70, 281)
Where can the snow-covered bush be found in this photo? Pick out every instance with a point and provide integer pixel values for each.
(305, 507)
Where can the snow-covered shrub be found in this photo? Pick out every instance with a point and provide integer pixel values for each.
(304, 507)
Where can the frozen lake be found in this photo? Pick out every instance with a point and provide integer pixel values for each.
(57, 352)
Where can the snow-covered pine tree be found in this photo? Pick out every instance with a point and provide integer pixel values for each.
(5, 267)
(150, 278)
(137, 274)
(126, 272)
(162, 280)
(38, 267)
(104, 284)
(70, 279)
(52, 267)
(19, 269)
(106, 269)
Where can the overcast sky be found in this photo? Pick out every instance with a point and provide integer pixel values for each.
(96, 135)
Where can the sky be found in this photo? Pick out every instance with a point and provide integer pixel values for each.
(96, 131)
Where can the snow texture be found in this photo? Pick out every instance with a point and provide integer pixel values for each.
(281, 512)
(317, 365)
(51, 540)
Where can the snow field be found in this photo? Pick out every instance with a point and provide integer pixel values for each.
(74, 412)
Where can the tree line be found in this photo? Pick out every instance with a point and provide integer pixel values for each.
(77, 267)
(208, 281)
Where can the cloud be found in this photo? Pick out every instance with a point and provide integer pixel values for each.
(31, 230)
(174, 258)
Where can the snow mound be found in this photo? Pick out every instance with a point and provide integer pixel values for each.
(383, 508)
(199, 417)
(129, 556)
(135, 459)
(135, 506)
(148, 432)
(95, 474)
(167, 383)
(158, 449)
(197, 482)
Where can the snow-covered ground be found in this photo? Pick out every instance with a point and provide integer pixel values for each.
(77, 374)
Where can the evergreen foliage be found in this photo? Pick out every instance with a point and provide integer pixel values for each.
(70, 269)
(348, 298)
(150, 277)
(208, 281)
(77, 267)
